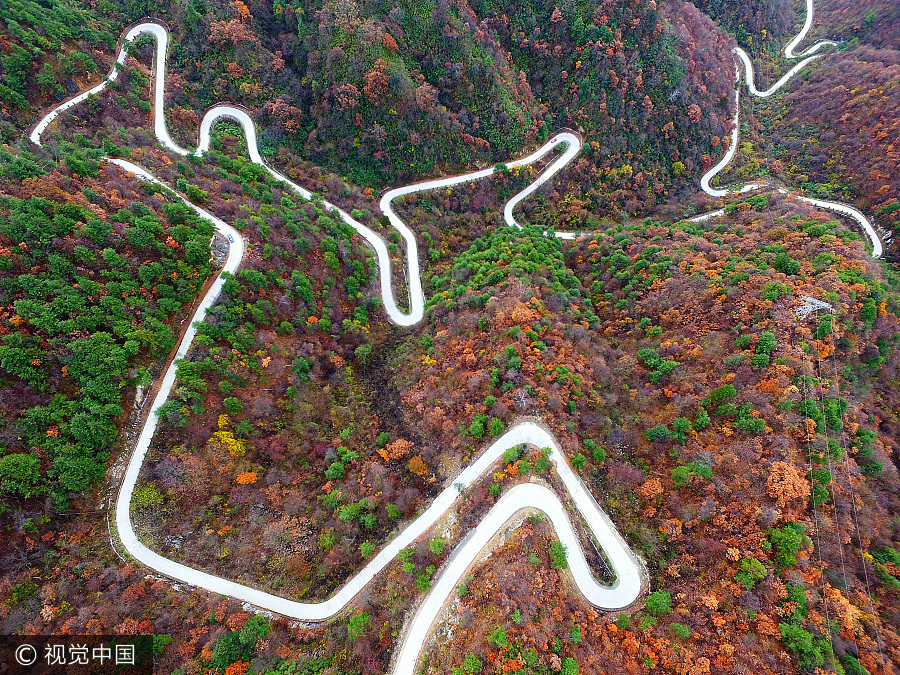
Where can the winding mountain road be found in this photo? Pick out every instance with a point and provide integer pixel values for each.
(807, 56)
(631, 578)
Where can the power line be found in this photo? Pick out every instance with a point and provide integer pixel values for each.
(813, 502)
(856, 516)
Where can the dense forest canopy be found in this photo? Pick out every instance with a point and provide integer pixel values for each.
(383, 93)
(748, 456)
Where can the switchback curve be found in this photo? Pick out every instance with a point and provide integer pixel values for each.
(808, 55)
(631, 577)
(416, 296)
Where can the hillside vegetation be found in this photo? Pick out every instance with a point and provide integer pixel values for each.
(748, 455)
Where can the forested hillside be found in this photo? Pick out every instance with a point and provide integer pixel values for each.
(748, 454)
(381, 94)
(872, 22)
(836, 135)
(849, 106)
(93, 274)
(756, 24)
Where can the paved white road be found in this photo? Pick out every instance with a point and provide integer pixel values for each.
(808, 55)
(631, 576)
(630, 573)
(416, 296)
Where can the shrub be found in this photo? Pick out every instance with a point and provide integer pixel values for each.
(145, 496)
(681, 476)
(659, 433)
(367, 548)
(623, 621)
(788, 540)
(495, 426)
(233, 406)
(436, 545)
(357, 626)
(558, 560)
(659, 603)
(578, 461)
(383, 439)
(575, 635)
(752, 570)
(471, 665)
(681, 630)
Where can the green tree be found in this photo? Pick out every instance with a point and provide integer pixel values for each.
(476, 428)
(681, 630)
(659, 433)
(569, 666)
(766, 343)
(869, 311)
(558, 560)
(575, 635)
(788, 540)
(358, 625)
(752, 570)
(233, 406)
(659, 603)
(681, 476)
(255, 628)
(19, 474)
(362, 353)
(472, 665)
